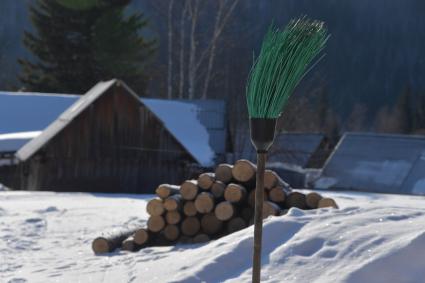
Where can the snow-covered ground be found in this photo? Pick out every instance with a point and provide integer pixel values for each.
(46, 237)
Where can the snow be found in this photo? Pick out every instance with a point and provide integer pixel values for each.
(26, 111)
(14, 141)
(181, 119)
(419, 187)
(46, 237)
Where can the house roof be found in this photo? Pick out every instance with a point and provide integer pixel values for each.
(376, 162)
(199, 126)
(289, 148)
(23, 112)
(13, 141)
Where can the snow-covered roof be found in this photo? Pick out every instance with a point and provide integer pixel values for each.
(183, 120)
(376, 162)
(290, 148)
(24, 112)
(13, 141)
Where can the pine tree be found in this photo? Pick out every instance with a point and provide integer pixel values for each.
(76, 48)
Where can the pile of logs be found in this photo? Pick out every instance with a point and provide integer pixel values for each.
(210, 207)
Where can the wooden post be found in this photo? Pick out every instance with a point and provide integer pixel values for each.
(258, 217)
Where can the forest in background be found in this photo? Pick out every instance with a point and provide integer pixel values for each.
(370, 79)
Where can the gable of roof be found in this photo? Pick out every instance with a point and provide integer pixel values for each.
(30, 148)
(25, 112)
(373, 162)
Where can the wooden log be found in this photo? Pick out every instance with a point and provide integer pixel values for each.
(235, 193)
(189, 208)
(210, 224)
(204, 202)
(166, 190)
(327, 202)
(200, 238)
(173, 217)
(173, 203)
(251, 197)
(225, 210)
(223, 173)
(129, 245)
(244, 171)
(247, 213)
(189, 189)
(295, 199)
(156, 223)
(206, 180)
(190, 226)
(155, 207)
(110, 241)
(272, 179)
(217, 189)
(270, 209)
(171, 232)
(236, 224)
(312, 200)
(141, 236)
(277, 195)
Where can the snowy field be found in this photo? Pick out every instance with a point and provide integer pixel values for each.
(46, 237)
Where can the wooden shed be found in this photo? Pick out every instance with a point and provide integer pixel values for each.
(110, 140)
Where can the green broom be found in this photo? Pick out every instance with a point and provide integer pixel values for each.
(282, 63)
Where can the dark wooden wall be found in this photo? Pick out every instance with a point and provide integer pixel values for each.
(115, 145)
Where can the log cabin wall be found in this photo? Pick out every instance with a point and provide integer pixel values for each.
(115, 145)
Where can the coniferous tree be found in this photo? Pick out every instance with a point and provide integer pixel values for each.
(76, 48)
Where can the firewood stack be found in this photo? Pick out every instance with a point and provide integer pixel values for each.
(214, 205)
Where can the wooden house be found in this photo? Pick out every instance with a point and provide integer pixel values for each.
(110, 140)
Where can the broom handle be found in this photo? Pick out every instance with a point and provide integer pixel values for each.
(258, 217)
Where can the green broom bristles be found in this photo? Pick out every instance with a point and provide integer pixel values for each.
(282, 63)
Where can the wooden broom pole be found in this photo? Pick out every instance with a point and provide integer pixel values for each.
(258, 217)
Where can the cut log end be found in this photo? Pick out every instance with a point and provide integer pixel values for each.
(173, 203)
(312, 200)
(224, 211)
(244, 171)
(166, 190)
(206, 180)
(235, 193)
(204, 203)
(223, 173)
(129, 245)
(190, 226)
(141, 236)
(189, 189)
(296, 199)
(100, 245)
(217, 189)
(173, 217)
(171, 232)
(156, 223)
(200, 238)
(277, 194)
(272, 179)
(189, 208)
(155, 207)
(270, 209)
(210, 224)
(327, 202)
